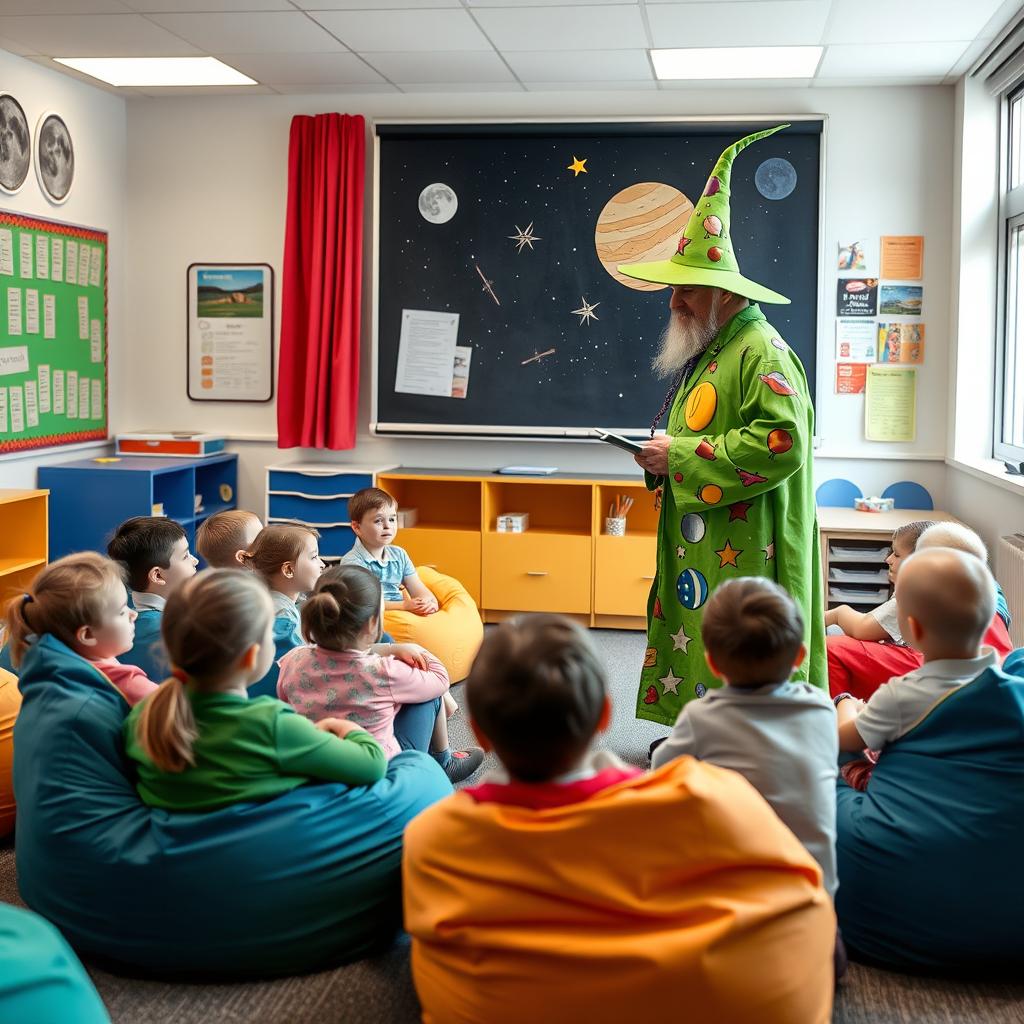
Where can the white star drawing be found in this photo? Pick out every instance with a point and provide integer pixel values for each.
(680, 640)
(586, 311)
(680, 552)
(670, 683)
(524, 237)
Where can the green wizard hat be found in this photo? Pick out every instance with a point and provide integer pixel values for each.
(705, 255)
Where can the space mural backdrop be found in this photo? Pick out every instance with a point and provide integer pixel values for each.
(518, 229)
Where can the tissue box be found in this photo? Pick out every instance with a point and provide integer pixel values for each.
(874, 504)
(407, 518)
(514, 522)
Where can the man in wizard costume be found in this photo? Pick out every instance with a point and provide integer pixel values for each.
(734, 466)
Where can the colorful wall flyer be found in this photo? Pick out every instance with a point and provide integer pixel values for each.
(857, 296)
(903, 257)
(890, 410)
(856, 341)
(852, 257)
(901, 343)
(902, 299)
(850, 378)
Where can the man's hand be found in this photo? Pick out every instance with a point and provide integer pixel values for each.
(654, 457)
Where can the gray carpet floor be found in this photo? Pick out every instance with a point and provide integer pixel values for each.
(380, 989)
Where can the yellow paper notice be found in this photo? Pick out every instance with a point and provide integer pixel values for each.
(890, 407)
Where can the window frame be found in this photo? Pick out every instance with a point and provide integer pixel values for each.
(1011, 217)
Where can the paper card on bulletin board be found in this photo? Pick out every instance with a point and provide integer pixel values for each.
(890, 409)
(45, 298)
(230, 350)
(903, 257)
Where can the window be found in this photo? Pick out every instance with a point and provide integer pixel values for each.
(1009, 426)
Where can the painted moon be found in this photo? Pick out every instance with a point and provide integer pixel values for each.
(55, 157)
(438, 203)
(15, 145)
(775, 178)
(642, 222)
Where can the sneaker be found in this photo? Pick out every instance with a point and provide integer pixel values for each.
(463, 763)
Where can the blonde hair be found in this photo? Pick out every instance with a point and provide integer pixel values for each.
(209, 622)
(66, 595)
(953, 535)
(274, 545)
(222, 535)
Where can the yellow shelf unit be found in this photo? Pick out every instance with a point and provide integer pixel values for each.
(24, 540)
(562, 563)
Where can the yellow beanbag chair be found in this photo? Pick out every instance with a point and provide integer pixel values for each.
(454, 632)
(676, 895)
(10, 702)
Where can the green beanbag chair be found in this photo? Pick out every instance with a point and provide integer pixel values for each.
(308, 879)
(929, 854)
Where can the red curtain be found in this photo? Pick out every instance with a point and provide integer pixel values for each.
(318, 370)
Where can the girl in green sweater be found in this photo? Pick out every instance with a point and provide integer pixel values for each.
(199, 742)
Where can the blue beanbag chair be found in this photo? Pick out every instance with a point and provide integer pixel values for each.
(308, 879)
(929, 855)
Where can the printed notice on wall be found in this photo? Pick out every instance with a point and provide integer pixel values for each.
(230, 332)
(857, 296)
(890, 410)
(856, 341)
(903, 257)
(426, 353)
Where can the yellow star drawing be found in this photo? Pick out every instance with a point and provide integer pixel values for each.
(728, 555)
(577, 166)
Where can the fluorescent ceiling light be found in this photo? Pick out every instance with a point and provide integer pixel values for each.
(157, 71)
(720, 62)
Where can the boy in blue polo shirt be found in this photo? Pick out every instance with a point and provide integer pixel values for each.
(374, 515)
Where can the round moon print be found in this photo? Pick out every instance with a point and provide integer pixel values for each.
(55, 157)
(775, 178)
(438, 203)
(15, 145)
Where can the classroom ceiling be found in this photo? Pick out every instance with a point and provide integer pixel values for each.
(359, 46)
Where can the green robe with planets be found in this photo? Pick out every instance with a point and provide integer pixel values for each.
(738, 501)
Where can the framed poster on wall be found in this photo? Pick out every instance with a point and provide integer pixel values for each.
(230, 316)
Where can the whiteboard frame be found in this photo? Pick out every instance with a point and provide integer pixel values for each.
(481, 432)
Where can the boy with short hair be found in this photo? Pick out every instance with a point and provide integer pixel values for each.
(154, 551)
(223, 538)
(946, 599)
(570, 886)
(779, 735)
(374, 516)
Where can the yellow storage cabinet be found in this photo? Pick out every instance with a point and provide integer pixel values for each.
(537, 572)
(623, 574)
(450, 551)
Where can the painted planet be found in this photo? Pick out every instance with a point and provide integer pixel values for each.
(701, 404)
(692, 588)
(775, 178)
(438, 203)
(779, 441)
(639, 224)
(693, 527)
(710, 494)
(700, 689)
(15, 144)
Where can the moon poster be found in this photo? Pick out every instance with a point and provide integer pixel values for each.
(517, 231)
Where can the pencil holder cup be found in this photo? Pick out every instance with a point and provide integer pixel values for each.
(615, 526)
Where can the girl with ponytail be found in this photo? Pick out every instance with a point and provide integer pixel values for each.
(199, 742)
(395, 691)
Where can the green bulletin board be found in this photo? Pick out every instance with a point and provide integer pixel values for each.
(53, 333)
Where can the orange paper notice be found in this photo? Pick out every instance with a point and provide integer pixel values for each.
(903, 257)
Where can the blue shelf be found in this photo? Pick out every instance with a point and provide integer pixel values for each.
(90, 498)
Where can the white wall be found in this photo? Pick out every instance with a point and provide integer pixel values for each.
(97, 122)
(207, 182)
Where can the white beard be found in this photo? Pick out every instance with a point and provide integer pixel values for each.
(684, 338)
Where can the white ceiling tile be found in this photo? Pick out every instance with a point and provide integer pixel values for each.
(581, 66)
(738, 83)
(861, 83)
(424, 68)
(462, 87)
(302, 68)
(544, 3)
(890, 60)
(391, 31)
(334, 90)
(775, 23)
(611, 27)
(14, 47)
(372, 5)
(205, 6)
(169, 91)
(592, 86)
(98, 35)
(907, 21)
(273, 32)
(8, 7)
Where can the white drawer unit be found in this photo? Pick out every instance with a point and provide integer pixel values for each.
(316, 494)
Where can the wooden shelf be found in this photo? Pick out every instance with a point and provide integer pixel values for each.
(11, 565)
(24, 539)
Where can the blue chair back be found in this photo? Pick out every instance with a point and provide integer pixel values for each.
(837, 493)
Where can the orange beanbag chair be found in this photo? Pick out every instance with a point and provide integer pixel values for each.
(10, 702)
(454, 632)
(673, 895)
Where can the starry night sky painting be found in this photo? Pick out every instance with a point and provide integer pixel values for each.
(521, 240)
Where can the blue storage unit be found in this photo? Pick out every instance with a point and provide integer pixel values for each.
(316, 495)
(89, 498)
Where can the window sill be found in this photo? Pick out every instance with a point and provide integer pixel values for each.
(992, 472)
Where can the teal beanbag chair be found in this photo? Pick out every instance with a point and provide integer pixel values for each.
(308, 879)
(929, 855)
(41, 980)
